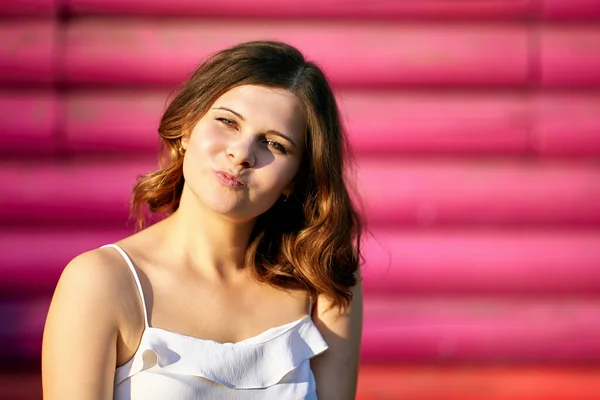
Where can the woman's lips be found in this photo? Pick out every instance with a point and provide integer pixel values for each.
(230, 180)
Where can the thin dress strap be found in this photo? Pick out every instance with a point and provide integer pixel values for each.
(135, 276)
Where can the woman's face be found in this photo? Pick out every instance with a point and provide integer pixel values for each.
(244, 153)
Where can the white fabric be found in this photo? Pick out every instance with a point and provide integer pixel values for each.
(272, 365)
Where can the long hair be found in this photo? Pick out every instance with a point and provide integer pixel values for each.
(313, 239)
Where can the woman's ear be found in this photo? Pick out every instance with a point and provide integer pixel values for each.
(184, 141)
(289, 189)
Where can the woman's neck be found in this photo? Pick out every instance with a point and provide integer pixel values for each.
(207, 241)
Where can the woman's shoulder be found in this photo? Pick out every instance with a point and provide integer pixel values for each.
(86, 318)
(100, 267)
(97, 279)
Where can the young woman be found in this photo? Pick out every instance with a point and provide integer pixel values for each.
(249, 288)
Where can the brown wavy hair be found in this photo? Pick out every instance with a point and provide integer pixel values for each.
(313, 239)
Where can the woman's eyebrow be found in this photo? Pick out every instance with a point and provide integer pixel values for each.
(277, 133)
(240, 116)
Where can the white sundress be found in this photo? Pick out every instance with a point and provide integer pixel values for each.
(272, 365)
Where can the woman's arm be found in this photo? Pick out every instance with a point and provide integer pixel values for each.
(80, 336)
(336, 370)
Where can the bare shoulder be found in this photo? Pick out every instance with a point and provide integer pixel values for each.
(82, 327)
(93, 264)
(96, 275)
(101, 280)
(342, 330)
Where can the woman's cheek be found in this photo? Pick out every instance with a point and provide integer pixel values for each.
(212, 141)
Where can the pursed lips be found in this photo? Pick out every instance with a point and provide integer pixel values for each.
(230, 179)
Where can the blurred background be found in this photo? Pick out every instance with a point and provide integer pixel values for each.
(476, 126)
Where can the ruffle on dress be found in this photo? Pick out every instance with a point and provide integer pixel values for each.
(255, 363)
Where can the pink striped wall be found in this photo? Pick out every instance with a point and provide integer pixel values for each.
(476, 127)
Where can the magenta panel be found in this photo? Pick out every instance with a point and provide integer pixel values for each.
(310, 8)
(114, 122)
(397, 262)
(28, 121)
(121, 51)
(22, 328)
(381, 122)
(413, 193)
(39, 270)
(474, 261)
(28, 7)
(573, 9)
(441, 192)
(384, 122)
(27, 51)
(482, 330)
(69, 191)
(568, 124)
(440, 329)
(570, 56)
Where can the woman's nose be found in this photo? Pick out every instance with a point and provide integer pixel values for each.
(241, 152)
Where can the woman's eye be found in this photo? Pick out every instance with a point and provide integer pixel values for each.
(276, 146)
(227, 122)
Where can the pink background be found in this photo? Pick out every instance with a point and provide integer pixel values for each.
(476, 126)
